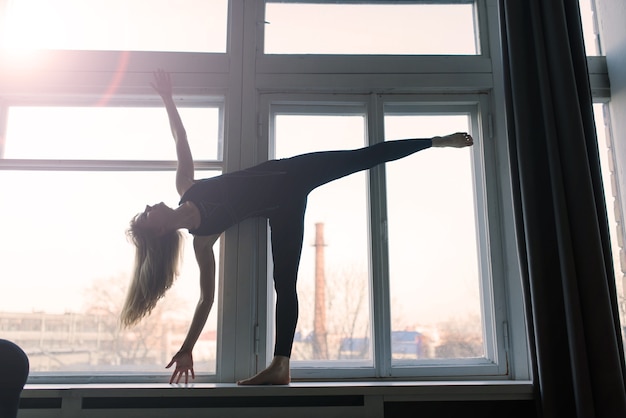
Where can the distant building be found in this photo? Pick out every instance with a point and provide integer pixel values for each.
(80, 342)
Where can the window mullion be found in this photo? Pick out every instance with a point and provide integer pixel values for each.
(242, 150)
(381, 321)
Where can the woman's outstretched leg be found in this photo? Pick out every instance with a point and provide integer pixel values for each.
(317, 168)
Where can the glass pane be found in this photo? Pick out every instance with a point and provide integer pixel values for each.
(335, 326)
(65, 263)
(397, 29)
(108, 133)
(614, 207)
(434, 270)
(587, 12)
(119, 25)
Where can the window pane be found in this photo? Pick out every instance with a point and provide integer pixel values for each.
(123, 25)
(434, 270)
(398, 29)
(108, 133)
(65, 264)
(339, 211)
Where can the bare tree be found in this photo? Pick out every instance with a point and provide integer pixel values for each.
(144, 343)
(461, 338)
(348, 305)
(347, 314)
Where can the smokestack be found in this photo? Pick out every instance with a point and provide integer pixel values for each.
(320, 348)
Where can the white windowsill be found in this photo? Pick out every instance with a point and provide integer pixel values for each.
(391, 391)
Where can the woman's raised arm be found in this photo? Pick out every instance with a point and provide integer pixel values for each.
(185, 169)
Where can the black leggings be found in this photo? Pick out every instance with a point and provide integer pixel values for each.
(305, 173)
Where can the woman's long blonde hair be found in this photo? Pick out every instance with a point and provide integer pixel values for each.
(156, 266)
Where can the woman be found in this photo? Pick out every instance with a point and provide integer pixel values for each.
(276, 190)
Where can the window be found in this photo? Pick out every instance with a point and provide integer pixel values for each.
(115, 25)
(433, 247)
(390, 298)
(249, 91)
(106, 133)
(334, 277)
(372, 27)
(65, 257)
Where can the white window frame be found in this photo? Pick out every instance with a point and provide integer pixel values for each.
(53, 163)
(301, 60)
(374, 107)
(113, 165)
(270, 105)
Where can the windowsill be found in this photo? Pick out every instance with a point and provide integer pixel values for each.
(391, 391)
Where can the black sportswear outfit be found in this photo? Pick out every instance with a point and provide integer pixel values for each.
(278, 190)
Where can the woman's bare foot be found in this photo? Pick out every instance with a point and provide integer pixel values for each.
(277, 373)
(456, 140)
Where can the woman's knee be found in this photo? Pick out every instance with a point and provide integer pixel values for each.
(285, 287)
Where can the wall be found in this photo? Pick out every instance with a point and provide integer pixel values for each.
(302, 399)
(611, 18)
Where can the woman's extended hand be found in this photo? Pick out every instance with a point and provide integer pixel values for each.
(184, 365)
(162, 83)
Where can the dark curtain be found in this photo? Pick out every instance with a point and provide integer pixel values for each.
(561, 215)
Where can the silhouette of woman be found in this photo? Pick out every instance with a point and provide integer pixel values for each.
(276, 190)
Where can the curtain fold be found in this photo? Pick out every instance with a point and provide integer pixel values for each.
(561, 217)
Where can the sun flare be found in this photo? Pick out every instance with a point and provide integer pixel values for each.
(17, 33)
